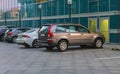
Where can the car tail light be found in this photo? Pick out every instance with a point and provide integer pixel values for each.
(26, 36)
(50, 40)
(50, 34)
(9, 33)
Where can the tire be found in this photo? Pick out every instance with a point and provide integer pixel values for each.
(49, 48)
(27, 46)
(14, 39)
(98, 43)
(62, 45)
(34, 44)
(2, 38)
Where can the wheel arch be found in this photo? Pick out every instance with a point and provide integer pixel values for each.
(100, 38)
(65, 40)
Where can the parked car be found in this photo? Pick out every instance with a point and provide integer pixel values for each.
(28, 38)
(63, 35)
(12, 33)
(3, 30)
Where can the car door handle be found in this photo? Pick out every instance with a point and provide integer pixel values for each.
(69, 34)
(82, 34)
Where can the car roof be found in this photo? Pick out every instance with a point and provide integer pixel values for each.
(64, 24)
(19, 28)
(7, 26)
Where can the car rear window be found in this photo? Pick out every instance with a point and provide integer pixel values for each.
(44, 29)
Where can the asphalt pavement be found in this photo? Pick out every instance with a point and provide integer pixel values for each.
(16, 59)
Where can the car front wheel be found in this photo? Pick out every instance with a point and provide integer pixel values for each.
(98, 43)
(63, 45)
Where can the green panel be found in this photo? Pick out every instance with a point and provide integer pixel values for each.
(114, 24)
(115, 38)
(93, 6)
(48, 8)
(75, 20)
(83, 6)
(44, 9)
(60, 7)
(114, 5)
(75, 7)
(54, 8)
(66, 7)
(103, 5)
(54, 21)
(84, 21)
(67, 20)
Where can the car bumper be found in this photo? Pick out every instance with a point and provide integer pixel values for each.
(45, 43)
(24, 41)
(8, 38)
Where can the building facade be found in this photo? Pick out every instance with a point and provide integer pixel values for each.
(98, 15)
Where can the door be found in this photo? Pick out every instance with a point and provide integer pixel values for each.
(85, 36)
(74, 35)
(92, 24)
(104, 28)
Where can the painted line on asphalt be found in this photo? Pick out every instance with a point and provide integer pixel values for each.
(108, 58)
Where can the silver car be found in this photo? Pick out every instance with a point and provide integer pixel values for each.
(28, 38)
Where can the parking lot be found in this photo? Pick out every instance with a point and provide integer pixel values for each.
(16, 59)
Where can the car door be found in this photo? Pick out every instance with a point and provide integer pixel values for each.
(85, 36)
(74, 35)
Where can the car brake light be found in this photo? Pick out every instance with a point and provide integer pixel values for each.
(50, 34)
(26, 36)
(9, 33)
(49, 40)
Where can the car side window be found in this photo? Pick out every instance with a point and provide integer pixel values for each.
(82, 29)
(19, 31)
(71, 28)
(60, 29)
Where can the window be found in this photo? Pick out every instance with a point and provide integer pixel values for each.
(60, 29)
(71, 29)
(44, 29)
(82, 29)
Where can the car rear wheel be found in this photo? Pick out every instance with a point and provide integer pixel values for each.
(98, 43)
(14, 39)
(27, 46)
(2, 38)
(35, 44)
(63, 45)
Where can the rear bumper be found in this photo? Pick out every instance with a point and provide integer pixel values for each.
(45, 43)
(8, 38)
(24, 41)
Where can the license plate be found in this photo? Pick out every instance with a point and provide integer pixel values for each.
(42, 34)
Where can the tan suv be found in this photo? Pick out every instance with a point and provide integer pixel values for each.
(63, 35)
